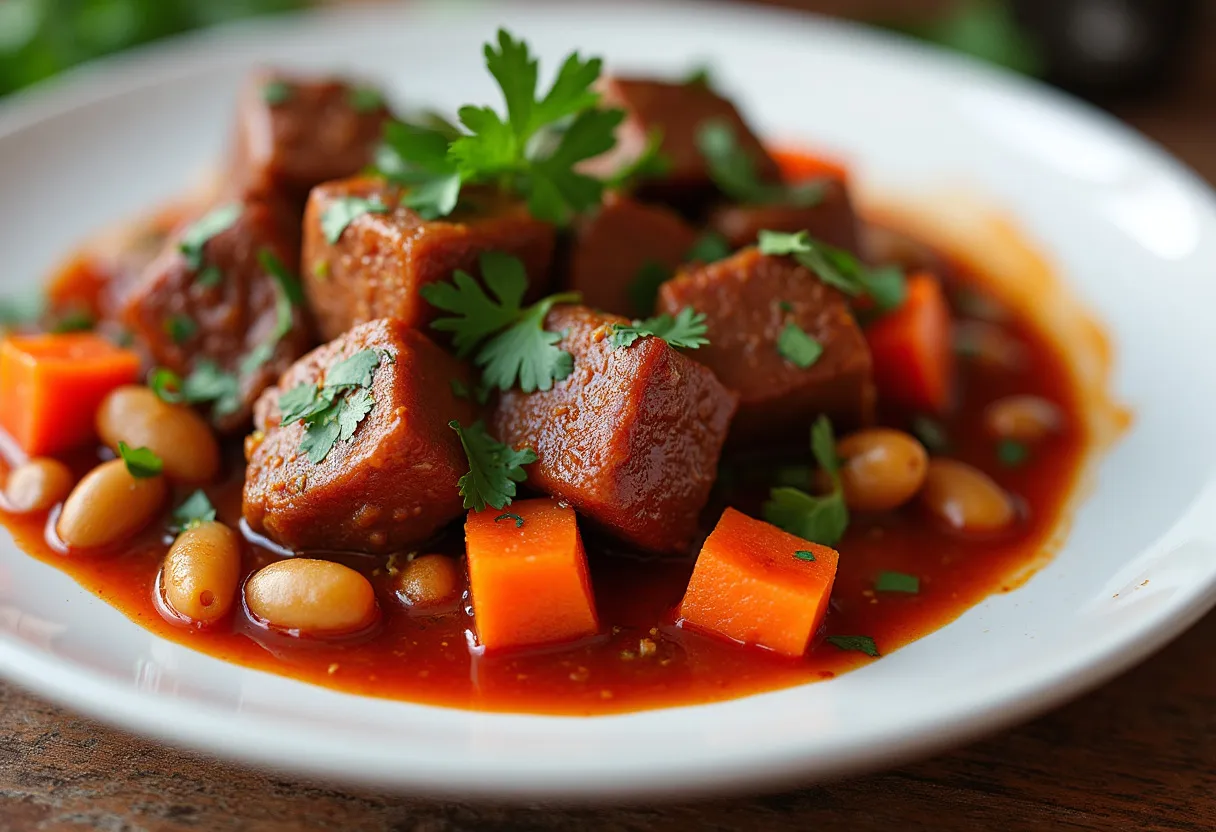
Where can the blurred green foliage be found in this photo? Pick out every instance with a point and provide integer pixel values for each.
(41, 37)
(985, 29)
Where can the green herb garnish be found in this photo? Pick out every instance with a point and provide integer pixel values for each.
(1011, 453)
(494, 468)
(819, 519)
(836, 267)
(803, 554)
(194, 511)
(710, 247)
(798, 348)
(213, 223)
(733, 170)
(276, 92)
(519, 521)
(77, 320)
(684, 331)
(897, 582)
(860, 644)
(365, 99)
(289, 295)
(141, 462)
(343, 211)
(332, 413)
(505, 338)
(180, 328)
(699, 76)
(207, 383)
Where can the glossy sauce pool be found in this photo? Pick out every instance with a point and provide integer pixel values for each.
(641, 660)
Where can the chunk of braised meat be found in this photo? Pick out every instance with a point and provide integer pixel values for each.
(831, 219)
(623, 251)
(382, 257)
(294, 132)
(209, 300)
(677, 111)
(388, 486)
(750, 301)
(631, 438)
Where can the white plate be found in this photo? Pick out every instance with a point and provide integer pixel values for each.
(1134, 232)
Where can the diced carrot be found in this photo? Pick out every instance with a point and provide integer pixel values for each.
(799, 165)
(911, 349)
(757, 584)
(528, 580)
(51, 386)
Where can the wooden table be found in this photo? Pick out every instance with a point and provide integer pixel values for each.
(1139, 754)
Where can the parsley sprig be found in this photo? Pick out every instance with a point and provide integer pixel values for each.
(505, 338)
(684, 331)
(532, 150)
(733, 170)
(199, 233)
(331, 413)
(836, 267)
(194, 511)
(819, 519)
(142, 463)
(206, 384)
(494, 468)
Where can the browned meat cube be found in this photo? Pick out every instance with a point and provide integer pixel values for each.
(749, 300)
(631, 438)
(381, 260)
(392, 484)
(678, 111)
(831, 220)
(295, 132)
(623, 251)
(216, 303)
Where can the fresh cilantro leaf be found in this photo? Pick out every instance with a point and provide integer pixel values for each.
(494, 468)
(836, 267)
(897, 582)
(289, 294)
(435, 197)
(519, 351)
(804, 554)
(1012, 454)
(859, 644)
(210, 277)
(571, 92)
(141, 462)
(416, 157)
(651, 163)
(710, 247)
(798, 348)
(358, 369)
(322, 434)
(820, 519)
(332, 413)
(553, 187)
(213, 223)
(931, 433)
(354, 407)
(343, 211)
(289, 284)
(167, 385)
(365, 99)
(208, 383)
(823, 446)
(77, 320)
(519, 521)
(180, 328)
(685, 331)
(734, 171)
(301, 402)
(194, 511)
(276, 92)
(643, 290)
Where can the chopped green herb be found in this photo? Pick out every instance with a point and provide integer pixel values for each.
(798, 348)
(1012, 454)
(208, 383)
(343, 211)
(365, 99)
(332, 413)
(931, 433)
(643, 290)
(194, 511)
(180, 328)
(897, 582)
(836, 267)
(859, 644)
(75, 321)
(785, 306)
(289, 294)
(494, 468)
(685, 331)
(519, 521)
(213, 223)
(803, 554)
(276, 92)
(710, 247)
(505, 338)
(141, 462)
(733, 170)
(210, 277)
(820, 519)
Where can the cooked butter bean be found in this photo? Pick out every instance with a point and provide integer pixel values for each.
(201, 572)
(174, 432)
(108, 506)
(37, 485)
(1027, 419)
(428, 580)
(311, 597)
(881, 468)
(966, 498)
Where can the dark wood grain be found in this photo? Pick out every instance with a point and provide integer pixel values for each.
(1139, 754)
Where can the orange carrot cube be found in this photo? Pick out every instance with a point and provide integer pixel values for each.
(756, 584)
(528, 575)
(51, 386)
